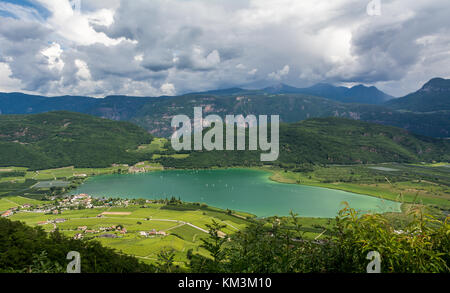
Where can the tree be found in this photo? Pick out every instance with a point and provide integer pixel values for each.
(165, 261)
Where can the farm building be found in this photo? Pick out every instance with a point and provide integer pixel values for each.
(7, 214)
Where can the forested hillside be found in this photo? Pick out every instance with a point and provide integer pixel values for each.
(58, 139)
(331, 141)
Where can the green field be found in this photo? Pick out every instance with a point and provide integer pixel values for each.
(424, 184)
(7, 203)
(184, 228)
(157, 145)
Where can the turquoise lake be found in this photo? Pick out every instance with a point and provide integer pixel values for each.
(236, 189)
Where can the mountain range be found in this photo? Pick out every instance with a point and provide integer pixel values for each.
(425, 112)
(357, 94)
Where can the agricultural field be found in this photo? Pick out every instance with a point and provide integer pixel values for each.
(7, 203)
(424, 184)
(55, 174)
(157, 145)
(184, 228)
(16, 181)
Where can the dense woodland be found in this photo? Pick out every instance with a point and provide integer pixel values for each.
(329, 141)
(59, 139)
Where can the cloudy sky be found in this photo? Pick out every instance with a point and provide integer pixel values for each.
(167, 47)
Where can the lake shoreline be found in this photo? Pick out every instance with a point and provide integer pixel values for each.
(284, 180)
(222, 187)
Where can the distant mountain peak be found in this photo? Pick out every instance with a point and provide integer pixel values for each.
(357, 94)
(361, 86)
(433, 96)
(437, 85)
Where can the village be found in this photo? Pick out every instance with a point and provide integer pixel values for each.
(58, 206)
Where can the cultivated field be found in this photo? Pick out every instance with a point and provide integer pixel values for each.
(427, 184)
(183, 229)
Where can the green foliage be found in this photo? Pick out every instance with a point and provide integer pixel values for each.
(27, 249)
(423, 246)
(215, 246)
(279, 246)
(329, 141)
(166, 260)
(59, 139)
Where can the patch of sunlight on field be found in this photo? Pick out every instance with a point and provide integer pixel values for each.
(145, 247)
(15, 201)
(30, 218)
(6, 205)
(157, 145)
(175, 156)
(69, 172)
(188, 233)
(23, 200)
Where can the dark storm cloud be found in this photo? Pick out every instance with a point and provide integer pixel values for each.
(155, 47)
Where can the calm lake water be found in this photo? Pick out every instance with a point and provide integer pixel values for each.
(236, 189)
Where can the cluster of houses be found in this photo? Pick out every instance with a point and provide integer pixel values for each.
(152, 233)
(55, 221)
(11, 211)
(116, 228)
(113, 228)
(50, 208)
(88, 202)
(78, 200)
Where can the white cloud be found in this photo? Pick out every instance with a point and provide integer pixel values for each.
(53, 54)
(280, 73)
(7, 83)
(168, 89)
(143, 46)
(83, 70)
(77, 27)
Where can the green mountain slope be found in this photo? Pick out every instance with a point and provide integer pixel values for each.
(292, 104)
(157, 115)
(59, 139)
(433, 96)
(331, 141)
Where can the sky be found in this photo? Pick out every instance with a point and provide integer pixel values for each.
(169, 47)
